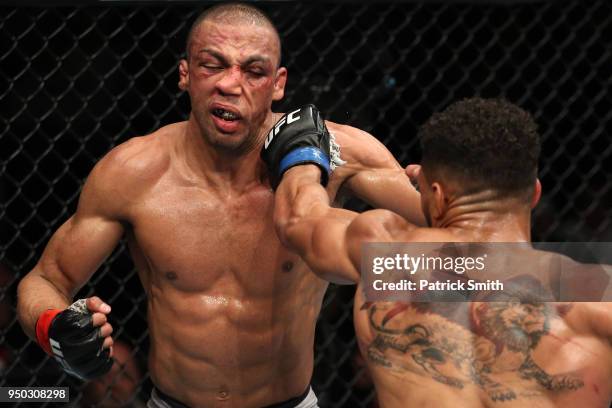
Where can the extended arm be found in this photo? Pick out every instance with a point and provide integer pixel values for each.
(328, 239)
(307, 224)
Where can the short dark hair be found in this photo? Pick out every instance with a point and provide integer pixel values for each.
(233, 12)
(482, 144)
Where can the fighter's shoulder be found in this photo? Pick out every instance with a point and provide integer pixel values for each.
(380, 225)
(139, 159)
(420, 234)
(124, 174)
(589, 317)
(359, 145)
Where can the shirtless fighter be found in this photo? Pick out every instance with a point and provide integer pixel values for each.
(478, 184)
(231, 312)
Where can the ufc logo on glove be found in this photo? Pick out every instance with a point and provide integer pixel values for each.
(287, 119)
(299, 137)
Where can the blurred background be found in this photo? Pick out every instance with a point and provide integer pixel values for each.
(78, 80)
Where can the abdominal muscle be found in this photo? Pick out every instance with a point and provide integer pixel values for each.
(218, 350)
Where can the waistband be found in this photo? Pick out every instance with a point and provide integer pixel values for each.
(290, 403)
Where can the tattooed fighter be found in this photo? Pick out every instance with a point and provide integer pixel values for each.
(231, 312)
(478, 183)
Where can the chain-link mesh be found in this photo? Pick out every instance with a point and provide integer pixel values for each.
(77, 81)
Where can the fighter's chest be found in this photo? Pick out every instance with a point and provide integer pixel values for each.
(191, 232)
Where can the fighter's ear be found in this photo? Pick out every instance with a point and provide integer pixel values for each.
(439, 204)
(537, 193)
(183, 67)
(279, 84)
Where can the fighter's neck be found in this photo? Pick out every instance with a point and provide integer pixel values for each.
(224, 168)
(488, 218)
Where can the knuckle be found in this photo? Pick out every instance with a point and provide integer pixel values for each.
(94, 299)
(98, 319)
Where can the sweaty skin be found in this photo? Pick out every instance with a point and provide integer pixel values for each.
(231, 311)
(494, 354)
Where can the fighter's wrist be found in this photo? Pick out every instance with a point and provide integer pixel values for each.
(42, 328)
(306, 172)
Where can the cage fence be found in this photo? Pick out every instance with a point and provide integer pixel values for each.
(78, 80)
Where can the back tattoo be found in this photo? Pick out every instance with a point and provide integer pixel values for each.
(457, 344)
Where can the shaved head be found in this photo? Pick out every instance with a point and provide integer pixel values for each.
(239, 14)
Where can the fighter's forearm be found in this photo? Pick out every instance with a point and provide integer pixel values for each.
(307, 224)
(299, 195)
(36, 294)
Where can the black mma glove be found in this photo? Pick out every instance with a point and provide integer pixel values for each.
(70, 337)
(299, 137)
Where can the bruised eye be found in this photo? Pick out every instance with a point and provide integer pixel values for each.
(256, 70)
(212, 67)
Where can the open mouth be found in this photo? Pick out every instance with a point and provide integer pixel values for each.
(225, 114)
(225, 120)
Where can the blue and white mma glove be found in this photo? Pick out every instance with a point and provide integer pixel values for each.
(299, 137)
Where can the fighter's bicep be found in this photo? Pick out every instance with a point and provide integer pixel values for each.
(329, 253)
(82, 243)
(87, 242)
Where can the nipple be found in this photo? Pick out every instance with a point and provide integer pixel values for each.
(223, 393)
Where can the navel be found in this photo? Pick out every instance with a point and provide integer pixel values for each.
(171, 275)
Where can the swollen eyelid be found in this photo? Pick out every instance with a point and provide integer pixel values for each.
(257, 71)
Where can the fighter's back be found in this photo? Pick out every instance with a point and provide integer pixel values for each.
(492, 353)
(231, 312)
(423, 358)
